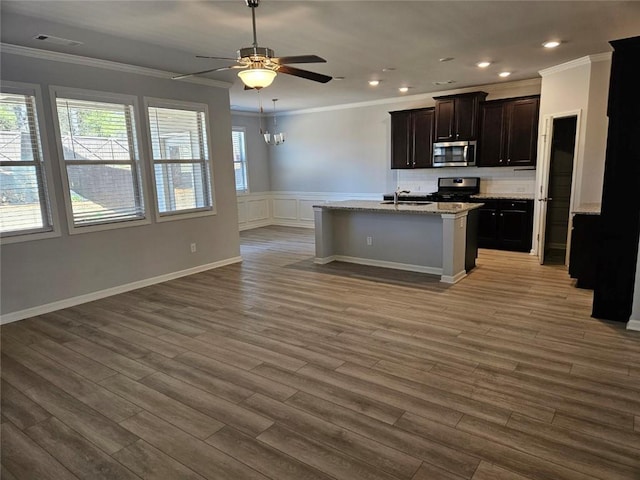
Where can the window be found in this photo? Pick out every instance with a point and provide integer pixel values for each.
(24, 204)
(240, 159)
(98, 146)
(180, 157)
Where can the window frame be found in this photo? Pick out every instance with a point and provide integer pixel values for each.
(48, 193)
(211, 209)
(244, 162)
(141, 184)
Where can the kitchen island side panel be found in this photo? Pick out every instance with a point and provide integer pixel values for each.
(403, 239)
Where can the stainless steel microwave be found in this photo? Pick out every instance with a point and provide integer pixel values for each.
(454, 154)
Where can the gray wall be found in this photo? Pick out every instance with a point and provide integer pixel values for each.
(38, 272)
(348, 149)
(257, 151)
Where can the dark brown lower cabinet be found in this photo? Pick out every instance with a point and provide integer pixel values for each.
(585, 236)
(505, 224)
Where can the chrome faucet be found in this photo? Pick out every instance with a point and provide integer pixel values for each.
(396, 194)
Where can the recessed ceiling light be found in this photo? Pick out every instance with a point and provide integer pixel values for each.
(445, 59)
(504, 74)
(444, 82)
(551, 44)
(483, 64)
(338, 78)
(388, 69)
(374, 83)
(403, 89)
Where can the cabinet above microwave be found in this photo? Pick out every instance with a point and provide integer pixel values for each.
(457, 116)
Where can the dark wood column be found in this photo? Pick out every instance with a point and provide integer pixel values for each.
(620, 219)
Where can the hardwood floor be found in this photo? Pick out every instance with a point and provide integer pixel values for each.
(279, 369)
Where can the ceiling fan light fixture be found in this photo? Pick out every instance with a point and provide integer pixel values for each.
(257, 77)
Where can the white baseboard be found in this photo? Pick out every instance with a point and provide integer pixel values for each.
(380, 263)
(324, 260)
(633, 325)
(90, 297)
(249, 226)
(453, 279)
(292, 223)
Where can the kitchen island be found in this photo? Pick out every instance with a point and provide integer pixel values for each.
(438, 238)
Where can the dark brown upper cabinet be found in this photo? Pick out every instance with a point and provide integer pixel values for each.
(456, 116)
(509, 132)
(412, 138)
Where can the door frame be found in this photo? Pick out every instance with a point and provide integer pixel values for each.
(542, 183)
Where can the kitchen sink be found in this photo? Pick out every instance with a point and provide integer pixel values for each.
(402, 202)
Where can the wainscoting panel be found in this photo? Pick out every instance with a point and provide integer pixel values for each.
(285, 209)
(289, 209)
(254, 210)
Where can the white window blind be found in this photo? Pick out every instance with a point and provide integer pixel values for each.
(180, 159)
(240, 159)
(24, 205)
(99, 149)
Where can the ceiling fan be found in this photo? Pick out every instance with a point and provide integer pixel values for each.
(259, 65)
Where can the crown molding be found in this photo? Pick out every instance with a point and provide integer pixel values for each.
(491, 88)
(7, 48)
(578, 62)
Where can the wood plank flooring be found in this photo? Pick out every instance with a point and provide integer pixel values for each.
(280, 369)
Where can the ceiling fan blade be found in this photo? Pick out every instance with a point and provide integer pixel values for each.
(297, 72)
(179, 77)
(216, 58)
(299, 59)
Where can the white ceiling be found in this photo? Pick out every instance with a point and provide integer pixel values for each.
(357, 38)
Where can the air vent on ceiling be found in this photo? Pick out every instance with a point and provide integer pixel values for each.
(57, 40)
(444, 82)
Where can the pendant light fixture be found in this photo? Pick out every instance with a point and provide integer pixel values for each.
(276, 138)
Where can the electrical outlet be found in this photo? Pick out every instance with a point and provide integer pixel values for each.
(369, 240)
(194, 248)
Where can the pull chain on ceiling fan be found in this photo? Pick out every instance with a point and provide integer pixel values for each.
(260, 65)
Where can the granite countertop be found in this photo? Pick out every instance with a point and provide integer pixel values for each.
(434, 208)
(508, 196)
(479, 196)
(587, 209)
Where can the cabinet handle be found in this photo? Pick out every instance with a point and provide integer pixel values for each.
(493, 214)
(508, 160)
(502, 214)
(500, 160)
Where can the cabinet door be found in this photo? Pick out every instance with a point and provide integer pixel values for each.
(401, 143)
(488, 225)
(522, 132)
(422, 123)
(584, 248)
(491, 148)
(444, 120)
(465, 114)
(515, 223)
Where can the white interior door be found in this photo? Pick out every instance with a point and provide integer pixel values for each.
(543, 188)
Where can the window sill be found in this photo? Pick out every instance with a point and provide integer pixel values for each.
(76, 230)
(29, 237)
(169, 217)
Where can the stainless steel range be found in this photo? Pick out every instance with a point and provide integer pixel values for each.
(455, 189)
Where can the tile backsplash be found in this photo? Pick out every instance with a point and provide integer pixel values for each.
(493, 180)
